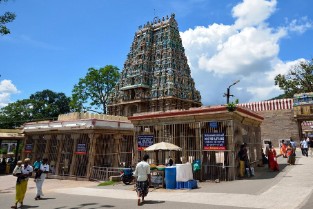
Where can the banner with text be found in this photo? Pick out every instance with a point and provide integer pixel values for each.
(81, 149)
(214, 141)
(28, 148)
(145, 141)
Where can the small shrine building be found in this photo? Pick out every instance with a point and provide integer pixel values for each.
(78, 142)
(212, 135)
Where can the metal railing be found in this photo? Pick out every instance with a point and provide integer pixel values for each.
(104, 173)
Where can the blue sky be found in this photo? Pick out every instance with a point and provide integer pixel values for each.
(53, 43)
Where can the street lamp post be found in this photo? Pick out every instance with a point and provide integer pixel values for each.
(227, 94)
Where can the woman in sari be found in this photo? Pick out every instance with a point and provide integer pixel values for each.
(290, 155)
(23, 173)
(272, 160)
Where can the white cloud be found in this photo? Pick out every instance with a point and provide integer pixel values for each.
(247, 50)
(244, 52)
(253, 12)
(7, 88)
(300, 26)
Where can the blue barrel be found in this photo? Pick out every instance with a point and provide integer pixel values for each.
(127, 171)
(170, 177)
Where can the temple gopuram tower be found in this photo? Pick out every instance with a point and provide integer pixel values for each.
(156, 75)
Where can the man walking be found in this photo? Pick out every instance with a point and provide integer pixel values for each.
(143, 179)
(304, 147)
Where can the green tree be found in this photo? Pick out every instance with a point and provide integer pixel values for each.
(92, 92)
(15, 114)
(49, 104)
(4, 19)
(299, 79)
(44, 105)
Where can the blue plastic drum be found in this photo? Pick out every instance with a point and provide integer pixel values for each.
(127, 171)
(170, 177)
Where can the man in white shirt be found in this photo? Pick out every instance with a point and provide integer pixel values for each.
(143, 179)
(44, 168)
(304, 147)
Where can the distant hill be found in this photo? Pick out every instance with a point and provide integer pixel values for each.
(282, 96)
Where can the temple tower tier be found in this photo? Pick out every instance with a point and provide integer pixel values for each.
(156, 75)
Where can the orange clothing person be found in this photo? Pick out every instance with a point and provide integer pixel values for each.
(283, 149)
(290, 155)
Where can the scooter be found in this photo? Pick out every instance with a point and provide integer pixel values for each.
(127, 176)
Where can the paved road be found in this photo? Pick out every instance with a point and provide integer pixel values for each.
(290, 188)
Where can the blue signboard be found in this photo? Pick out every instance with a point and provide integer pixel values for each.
(214, 141)
(28, 148)
(81, 149)
(213, 124)
(145, 141)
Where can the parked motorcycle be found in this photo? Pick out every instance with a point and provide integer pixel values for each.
(127, 175)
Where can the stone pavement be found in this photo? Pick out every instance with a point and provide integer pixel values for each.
(290, 188)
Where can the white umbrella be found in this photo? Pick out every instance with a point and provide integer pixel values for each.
(163, 146)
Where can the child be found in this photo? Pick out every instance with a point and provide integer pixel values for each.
(18, 171)
(37, 170)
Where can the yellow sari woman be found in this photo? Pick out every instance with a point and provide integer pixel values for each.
(22, 172)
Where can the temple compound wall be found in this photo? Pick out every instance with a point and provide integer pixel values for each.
(279, 122)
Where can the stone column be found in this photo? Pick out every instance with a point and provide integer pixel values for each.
(74, 165)
(117, 140)
(135, 145)
(60, 142)
(48, 144)
(35, 148)
(199, 146)
(91, 153)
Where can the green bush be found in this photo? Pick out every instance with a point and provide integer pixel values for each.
(3, 151)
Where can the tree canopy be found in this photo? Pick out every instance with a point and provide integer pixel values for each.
(4, 19)
(44, 105)
(299, 79)
(92, 92)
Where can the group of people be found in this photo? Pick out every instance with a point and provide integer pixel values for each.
(23, 171)
(288, 150)
(269, 157)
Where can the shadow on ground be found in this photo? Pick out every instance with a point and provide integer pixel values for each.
(87, 205)
(151, 202)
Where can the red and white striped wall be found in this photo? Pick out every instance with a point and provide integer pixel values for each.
(277, 104)
(307, 123)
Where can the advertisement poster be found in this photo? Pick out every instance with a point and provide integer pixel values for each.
(81, 149)
(28, 148)
(214, 141)
(145, 141)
